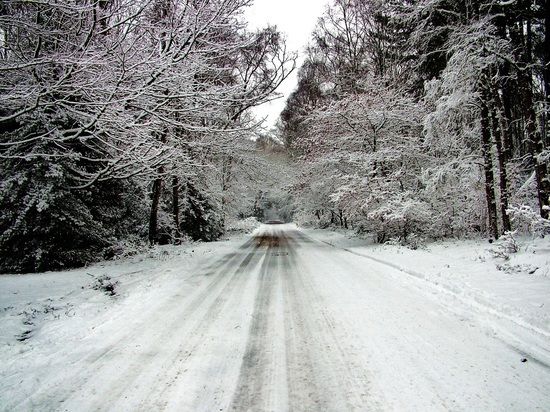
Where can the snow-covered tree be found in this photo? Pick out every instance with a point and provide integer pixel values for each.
(148, 93)
(468, 142)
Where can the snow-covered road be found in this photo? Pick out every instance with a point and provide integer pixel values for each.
(283, 322)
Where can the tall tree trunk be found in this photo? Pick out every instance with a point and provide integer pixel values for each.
(521, 36)
(153, 217)
(535, 140)
(536, 148)
(341, 217)
(226, 177)
(488, 168)
(547, 70)
(176, 209)
(500, 132)
(155, 198)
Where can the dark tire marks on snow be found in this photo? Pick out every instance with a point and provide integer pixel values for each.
(322, 374)
(192, 338)
(223, 277)
(256, 363)
(318, 373)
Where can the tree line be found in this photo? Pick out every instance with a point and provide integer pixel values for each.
(125, 119)
(424, 118)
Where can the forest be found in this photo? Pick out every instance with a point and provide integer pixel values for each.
(126, 123)
(424, 119)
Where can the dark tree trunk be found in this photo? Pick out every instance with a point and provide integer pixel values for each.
(226, 177)
(535, 140)
(500, 130)
(176, 209)
(547, 68)
(541, 171)
(155, 198)
(153, 217)
(514, 132)
(488, 169)
(521, 37)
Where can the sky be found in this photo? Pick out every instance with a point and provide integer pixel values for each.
(296, 19)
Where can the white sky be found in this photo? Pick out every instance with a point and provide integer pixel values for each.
(295, 18)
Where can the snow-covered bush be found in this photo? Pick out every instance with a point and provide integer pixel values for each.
(528, 221)
(307, 218)
(413, 242)
(46, 223)
(399, 217)
(243, 225)
(515, 269)
(105, 284)
(126, 247)
(508, 243)
(506, 246)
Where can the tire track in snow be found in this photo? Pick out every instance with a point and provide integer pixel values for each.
(323, 374)
(258, 378)
(315, 371)
(304, 391)
(114, 382)
(192, 339)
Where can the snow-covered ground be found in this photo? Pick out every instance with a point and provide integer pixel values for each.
(508, 293)
(291, 319)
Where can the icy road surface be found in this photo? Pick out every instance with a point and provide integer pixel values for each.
(283, 322)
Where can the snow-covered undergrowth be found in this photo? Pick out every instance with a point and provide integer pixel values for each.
(243, 226)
